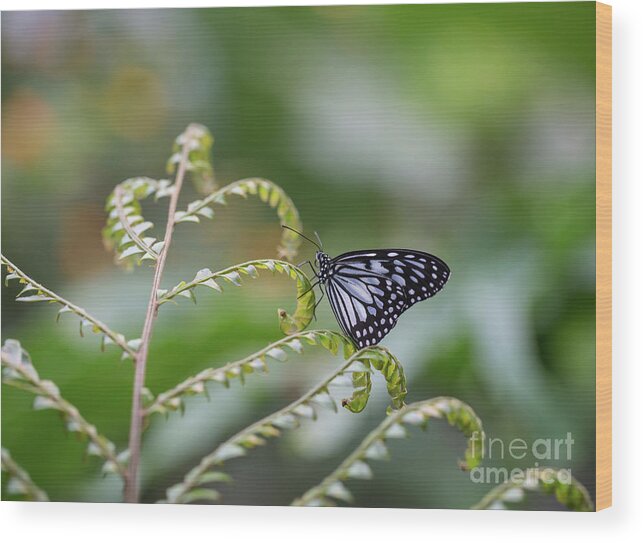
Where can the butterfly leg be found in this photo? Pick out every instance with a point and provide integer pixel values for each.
(318, 302)
(310, 264)
(311, 288)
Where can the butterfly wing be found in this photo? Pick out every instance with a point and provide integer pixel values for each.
(366, 305)
(420, 275)
(369, 290)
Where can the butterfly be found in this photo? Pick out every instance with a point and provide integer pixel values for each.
(368, 290)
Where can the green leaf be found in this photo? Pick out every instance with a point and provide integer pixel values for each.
(377, 451)
(34, 298)
(305, 411)
(513, 495)
(182, 216)
(339, 491)
(396, 431)
(211, 283)
(233, 277)
(188, 294)
(110, 467)
(131, 250)
(277, 354)
(296, 346)
(174, 493)
(251, 271)
(361, 393)
(264, 191)
(27, 288)
(359, 470)
(206, 212)
(229, 451)
(135, 343)
(142, 227)
(9, 276)
(16, 486)
(325, 400)
(214, 477)
(42, 402)
(202, 494)
(287, 421)
(414, 418)
(94, 450)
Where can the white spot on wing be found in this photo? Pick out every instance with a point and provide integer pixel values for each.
(376, 267)
(398, 279)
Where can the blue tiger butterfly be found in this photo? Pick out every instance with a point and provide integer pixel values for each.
(368, 290)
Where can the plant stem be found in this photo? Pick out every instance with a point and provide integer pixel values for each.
(263, 263)
(131, 492)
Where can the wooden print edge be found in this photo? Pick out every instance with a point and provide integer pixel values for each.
(603, 256)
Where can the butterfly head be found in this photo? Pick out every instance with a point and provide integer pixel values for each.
(323, 263)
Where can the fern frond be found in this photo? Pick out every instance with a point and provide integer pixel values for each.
(132, 229)
(35, 292)
(373, 447)
(250, 437)
(19, 481)
(257, 434)
(199, 163)
(289, 324)
(19, 372)
(559, 482)
(172, 399)
(385, 362)
(363, 364)
(125, 228)
(268, 192)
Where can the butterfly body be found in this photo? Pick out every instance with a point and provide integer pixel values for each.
(369, 290)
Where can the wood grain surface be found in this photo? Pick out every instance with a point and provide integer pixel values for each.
(603, 256)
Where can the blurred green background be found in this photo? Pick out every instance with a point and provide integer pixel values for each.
(462, 130)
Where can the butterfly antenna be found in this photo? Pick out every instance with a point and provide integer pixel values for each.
(321, 245)
(318, 245)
